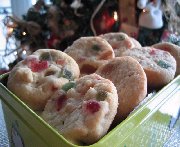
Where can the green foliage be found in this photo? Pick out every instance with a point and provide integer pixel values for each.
(79, 19)
(39, 17)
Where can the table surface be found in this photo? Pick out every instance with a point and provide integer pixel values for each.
(3, 133)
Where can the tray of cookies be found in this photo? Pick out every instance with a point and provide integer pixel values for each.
(101, 91)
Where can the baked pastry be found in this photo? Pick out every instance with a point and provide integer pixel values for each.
(173, 49)
(90, 53)
(131, 83)
(135, 42)
(36, 78)
(83, 111)
(119, 42)
(159, 65)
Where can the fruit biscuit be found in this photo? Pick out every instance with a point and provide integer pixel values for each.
(173, 49)
(119, 42)
(159, 65)
(83, 111)
(131, 83)
(37, 77)
(135, 42)
(90, 53)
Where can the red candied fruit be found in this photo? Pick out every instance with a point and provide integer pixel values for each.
(152, 52)
(54, 88)
(60, 62)
(60, 102)
(92, 106)
(37, 66)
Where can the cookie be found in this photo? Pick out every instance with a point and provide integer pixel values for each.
(159, 65)
(130, 80)
(90, 53)
(173, 49)
(135, 42)
(119, 42)
(83, 111)
(36, 78)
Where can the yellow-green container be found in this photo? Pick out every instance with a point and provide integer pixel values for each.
(155, 123)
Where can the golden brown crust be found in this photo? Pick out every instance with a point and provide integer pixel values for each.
(173, 49)
(119, 41)
(130, 80)
(36, 78)
(135, 42)
(90, 52)
(159, 65)
(87, 111)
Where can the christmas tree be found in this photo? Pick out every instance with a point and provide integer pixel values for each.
(57, 25)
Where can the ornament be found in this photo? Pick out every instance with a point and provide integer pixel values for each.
(53, 19)
(168, 36)
(76, 4)
(105, 22)
(151, 15)
(53, 41)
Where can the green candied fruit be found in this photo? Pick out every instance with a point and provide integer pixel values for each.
(163, 64)
(121, 38)
(101, 95)
(96, 47)
(46, 56)
(68, 86)
(66, 74)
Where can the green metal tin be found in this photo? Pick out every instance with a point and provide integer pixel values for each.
(154, 123)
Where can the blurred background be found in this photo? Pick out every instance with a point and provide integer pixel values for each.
(28, 25)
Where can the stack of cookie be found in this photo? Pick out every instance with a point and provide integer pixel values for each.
(94, 84)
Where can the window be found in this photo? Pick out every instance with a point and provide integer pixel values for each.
(5, 9)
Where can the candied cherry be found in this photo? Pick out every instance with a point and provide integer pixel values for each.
(60, 62)
(152, 52)
(92, 106)
(60, 102)
(37, 66)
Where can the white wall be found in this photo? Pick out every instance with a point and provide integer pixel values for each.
(20, 7)
(5, 3)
